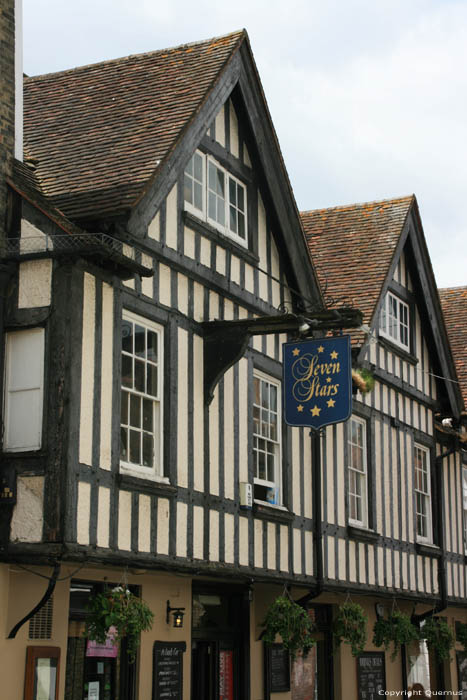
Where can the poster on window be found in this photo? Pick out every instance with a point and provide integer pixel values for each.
(226, 674)
(317, 381)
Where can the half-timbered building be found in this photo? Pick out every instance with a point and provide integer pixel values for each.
(393, 534)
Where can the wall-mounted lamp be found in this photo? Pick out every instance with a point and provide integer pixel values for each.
(380, 609)
(177, 614)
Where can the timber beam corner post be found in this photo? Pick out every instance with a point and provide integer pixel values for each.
(225, 342)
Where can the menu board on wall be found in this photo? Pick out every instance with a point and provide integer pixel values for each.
(461, 657)
(371, 675)
(277, 668)
(167, 672)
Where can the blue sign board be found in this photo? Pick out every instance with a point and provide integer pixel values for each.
(317, 381)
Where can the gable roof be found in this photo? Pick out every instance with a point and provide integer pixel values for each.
(454, 305)
(99, 131)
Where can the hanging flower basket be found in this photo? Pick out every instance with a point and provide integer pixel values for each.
(292, 623)
(396, 630)
(363, 380)
(439, 637)
(350, 627)
(461, 634)
(122, 610)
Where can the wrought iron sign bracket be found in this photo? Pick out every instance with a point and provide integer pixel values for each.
(225, 342)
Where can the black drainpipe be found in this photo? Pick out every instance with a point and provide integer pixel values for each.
(41, 603)
(317, 517)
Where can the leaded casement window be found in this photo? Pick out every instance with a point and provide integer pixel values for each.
(394, 321)
(464, 504)
(216, 196)
(23, 390)
(357, 472)
(422, 493)
(141, 394)
(266, 439)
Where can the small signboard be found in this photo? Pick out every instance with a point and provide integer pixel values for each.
(277, 668)
(371, 675)
(317, 381)
(108, 650)
(167, 672)
(226, 687)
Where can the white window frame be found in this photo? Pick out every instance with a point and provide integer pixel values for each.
(360, 476)
(156, 472)
(276, 484)
(204, 212)
(189, 206)
(394, 326)
(423, 501)
(13, 387)
(464, 505)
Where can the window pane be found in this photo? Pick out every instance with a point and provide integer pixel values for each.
(148, 450)
(198, 167)
(212, 206)
(127, 371)
(135, 441)
(151, 387)
(124, 444)
(135, 411)
(187, 194)
(233, 220)
(198, 196)
(139, 375)
(127, 336)
(140, 341)
(241, 225)
(148, 423)
(124, 407)
(152, 346)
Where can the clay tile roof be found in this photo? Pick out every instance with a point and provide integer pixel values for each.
(99, 131)
(454, 305)
(352, 248)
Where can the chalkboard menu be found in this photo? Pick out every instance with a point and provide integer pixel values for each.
(167, 672)
(371, 675)
(461, 657)
(277, 668)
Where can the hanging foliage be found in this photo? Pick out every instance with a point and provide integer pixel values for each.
(122, 610)
(350, 627)
(439, 637)
(396, 630)
(292, 623)
(461, 634)
(363, 379)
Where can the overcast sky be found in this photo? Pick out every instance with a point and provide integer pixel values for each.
(368, 97)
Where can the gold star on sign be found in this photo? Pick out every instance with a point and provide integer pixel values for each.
(320, 349)
(334, 355)
(296, 352)
(331, 403)
(300, 408)
(315, 411)
(328, 379)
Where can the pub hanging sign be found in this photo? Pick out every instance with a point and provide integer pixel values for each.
(317, 381)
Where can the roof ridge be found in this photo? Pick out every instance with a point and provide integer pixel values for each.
(239, 32)
(404, 198)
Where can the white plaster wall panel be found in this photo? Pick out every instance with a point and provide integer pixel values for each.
(124, 520)
(263, 285)
(297, 551)
(258, 532)
(220, 260)
(427, 575)
(341, 559)
(403, 269)
(449, 578)
(435, 577)
(371, 565)
(380, 560)
(35, 284)
(271, 545)
(284, 547)
(229, 528)
(229, 433)
(395, 483)
(271, 346)
(423, 419)
(205, 251)
(258, 343)
(87, 369)
(83, 514)
(189, 242)
(214, 444)
(405, 571)
(103, 517)
(420, 585)
(407, 411)
(276, 294)
(329, 496)
(182, 514)
(462, 580)
(213, 306)
(182, 293)
(415, 421)
(198, 530)
(308, 553)
(165, 296)
(171, 218)
(198, 302)
(419, 353)
(376, 394)
(242, 312)
(403, 491)
(373, 353)
(228, 310)
(144, 523)
(412, 565)
(382, 358)
(331, 558)
(235, 269)
(129, 283)
(455, 506)
(341, 475)
(429, 422)
(392, 402)
(307, 467)
(378, 477)
(198, 413)
(296, 491)
(447, 531)
(352, 562)
(246, 156)
(220, 126)
(39, 242)
(106, 376)
(405, 371)
(234, 149)
(213, 535)
(249, 279)
(385, 407)
(243, 419)
(388, 567)
(182, 409)
(386, 469)
(28, 514)
(361, 563)
(147, 286)
(243, 551)
(163, 513)
(409, 489)
(154, 228)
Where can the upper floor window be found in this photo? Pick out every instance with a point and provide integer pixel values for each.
(266, 439)
(394, 321)
(24, 390)
(218, 197)
(464, 504)
(423, 493)
(358, 479)
(141, 405)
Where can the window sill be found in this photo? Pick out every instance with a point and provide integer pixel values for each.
(428, 550)
(278, 514)
(397, 350)
(362, 534)
(222, 239)
(136, 483)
